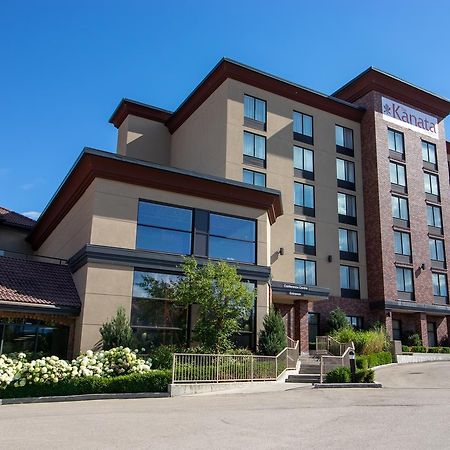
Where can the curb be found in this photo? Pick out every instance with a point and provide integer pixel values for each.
(346, 385)
(82, 397)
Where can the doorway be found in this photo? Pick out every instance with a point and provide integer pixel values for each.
(313, 325)
(432, 334)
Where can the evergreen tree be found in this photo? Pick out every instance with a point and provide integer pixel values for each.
(272, 339)
(337, 320)
(117, 332)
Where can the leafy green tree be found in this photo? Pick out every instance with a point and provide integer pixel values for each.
(223, 301)
(337, 320)
(272, 339)
(117, 332)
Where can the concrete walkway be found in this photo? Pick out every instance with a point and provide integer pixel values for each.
(412, 412)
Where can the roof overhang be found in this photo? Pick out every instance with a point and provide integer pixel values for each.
(93, 164)
(127, 107)
(376, 80)
(38, 309)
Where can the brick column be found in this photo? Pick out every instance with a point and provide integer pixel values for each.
(421, 326)
(301, 325)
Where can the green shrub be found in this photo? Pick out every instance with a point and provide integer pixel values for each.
(153, 381)
(366, 342)
(369, 376)
(413, 340)
(405, 348)
(339, 375)
(418, 349)
(362, 362)
(445, 349)
(117, 332)
(272, 338)
(434, 349)
(379, 359)
(162, 356)
(337, 320)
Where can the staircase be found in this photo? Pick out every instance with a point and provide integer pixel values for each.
(309, 370)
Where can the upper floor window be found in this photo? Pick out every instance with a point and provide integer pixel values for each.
(254, 108)
(344, 139)
(304, 233)
(396, 141)
(255, 178)
(434, 216)
(400, 208)
(431, 183)
(348, 244)
(398, 174)
(429, 152)
(402, 243)
(164, 228)
(305, 272)
(232, 238)
(254, 145)
(346, 207)
(437, 250)
(303, 127)
(304, 195)
(439, 284)
(405, 280)
(345, 173)
(303, 159)
(349, 277)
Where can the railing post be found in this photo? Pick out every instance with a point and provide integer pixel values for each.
(217, 368)
(321, 369)
(173, 368)
(252, 368)
(276, 367)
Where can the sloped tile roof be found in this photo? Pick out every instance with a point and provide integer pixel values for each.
(12, 218)
(38, 283)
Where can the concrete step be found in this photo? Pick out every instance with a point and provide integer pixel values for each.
(304, 378)
(310, 368)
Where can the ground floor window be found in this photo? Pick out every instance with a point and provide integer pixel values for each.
(33, 336)
(355, 321)
(313, 328)
(396, 330)
(432, 334)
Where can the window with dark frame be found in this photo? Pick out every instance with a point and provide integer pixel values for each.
(402, 243)
(303, 159)
(304, 195)
(255, 108)
(348, 244)
(400, 208)
(305, 272)
(254, 145)
(345, 172)
(434, 216)
(303, 127)
(396, 141)
(437, 252)
(346, 205)
(255, 178)
(439, 284)
(304, 233)
(431, 183)
(397, 174)
(344, 138)
(396, 330)
(355, 322)
(429, 152)
(405, 280)
(349, 278)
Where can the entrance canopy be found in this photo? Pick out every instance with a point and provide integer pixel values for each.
(289, 292)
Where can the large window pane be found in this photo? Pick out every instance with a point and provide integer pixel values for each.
(304, 195)
(164, 216)
(304, 233)
(434, 216)
(231, 250)
(232, 227)
(158, 239)
(303, 159)
(303, 124)
(305, 272)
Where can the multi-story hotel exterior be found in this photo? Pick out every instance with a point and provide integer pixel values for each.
(321, 201)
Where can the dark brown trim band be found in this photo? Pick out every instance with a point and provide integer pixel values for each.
(99, 164)
(138, 109)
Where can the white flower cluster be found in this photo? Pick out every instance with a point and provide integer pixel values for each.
(117, 361)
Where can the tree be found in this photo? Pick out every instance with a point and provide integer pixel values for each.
(272, 339)
(337, 320)
(223, 301)
(117, 332)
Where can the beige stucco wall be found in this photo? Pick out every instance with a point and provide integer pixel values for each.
(280, 175)
(199, 143)
(13, 240)
(144, 139)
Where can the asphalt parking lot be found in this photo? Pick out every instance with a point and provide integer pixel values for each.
(412, 411)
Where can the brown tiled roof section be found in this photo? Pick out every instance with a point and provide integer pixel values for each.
(38, 283)
(12, 218)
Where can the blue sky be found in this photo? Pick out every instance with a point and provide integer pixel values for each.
(66, 65)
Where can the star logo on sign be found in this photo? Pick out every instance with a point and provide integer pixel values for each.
(387, 109)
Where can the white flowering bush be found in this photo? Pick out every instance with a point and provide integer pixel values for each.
(17, 370)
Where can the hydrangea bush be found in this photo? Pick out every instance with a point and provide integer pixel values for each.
(109, 363)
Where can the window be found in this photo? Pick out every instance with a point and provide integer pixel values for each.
(155, 319)
(439, 284)
(398, 174)
(346, 205)
(344, 137)
(164, 228)
(429, 152)
(405, 280)
(436, 250)
(304, 233)
(345, 172)
(255, 178)
(396, 330)
(395, 140)
(303, 159)
(355, 321)
(402, 243)
(400, 208)
(434, 216)
(254, 108)
(304, 195)
(431, 183)
(254, 145)
(305, 272)
(348, 241)
(303, 126)
(349, 278)
(232, 238)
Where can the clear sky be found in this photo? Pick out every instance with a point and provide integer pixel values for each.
(65, 65)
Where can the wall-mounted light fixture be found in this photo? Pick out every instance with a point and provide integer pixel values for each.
(422, 266)
(281, 251)
(330, 258)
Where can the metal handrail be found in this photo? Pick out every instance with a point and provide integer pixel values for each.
(342, 360)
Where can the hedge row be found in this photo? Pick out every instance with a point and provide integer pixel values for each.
(375, 359)
(343, 375)
(152, 381)
(422, 349)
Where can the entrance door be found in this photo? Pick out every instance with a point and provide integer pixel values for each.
(432, 335)
(313, 325)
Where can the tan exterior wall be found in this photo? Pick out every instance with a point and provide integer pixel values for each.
(280, 175)
(74, 230)
(199, 144)
(144, 139)
(13, 240)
